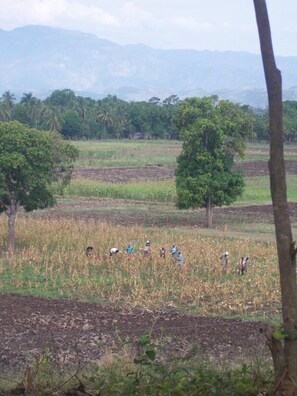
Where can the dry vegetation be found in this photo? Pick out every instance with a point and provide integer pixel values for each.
(51, 262)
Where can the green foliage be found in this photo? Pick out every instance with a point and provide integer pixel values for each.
(144, 191)
(144, 375)
(30, 161)
(279, 333)
(71, 126)
(178, 375)
(289, 122)
(112, 117)
(213, 133)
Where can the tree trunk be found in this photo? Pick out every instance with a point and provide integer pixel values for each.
(209, 212)
(11, 213)
(285, 246)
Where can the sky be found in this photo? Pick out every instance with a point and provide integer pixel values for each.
(223, 25)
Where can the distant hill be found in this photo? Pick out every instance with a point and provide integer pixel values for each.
(41, 59)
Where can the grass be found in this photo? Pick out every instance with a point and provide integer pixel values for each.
(260, 152)
(143, 191)
(257, 190)
(95, 154)
(110, 153)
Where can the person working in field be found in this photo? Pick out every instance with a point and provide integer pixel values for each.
(129, 250)
(180, 260)
(89, 251)
(174, 251)
(224, 261)
(146, 250)
(113, 251)
(162, 252)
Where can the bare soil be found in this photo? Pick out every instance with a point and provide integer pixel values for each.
(78, 333)
(128, 174)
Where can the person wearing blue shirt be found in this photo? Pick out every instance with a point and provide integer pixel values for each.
(129, 250)
(174, 251)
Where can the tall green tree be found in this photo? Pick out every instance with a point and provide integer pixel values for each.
(71, 124)
(30, 161)
(213, 133)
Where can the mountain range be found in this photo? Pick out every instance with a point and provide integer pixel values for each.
(41, 59)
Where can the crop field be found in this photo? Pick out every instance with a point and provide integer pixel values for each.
(51, 261)
(123, 192)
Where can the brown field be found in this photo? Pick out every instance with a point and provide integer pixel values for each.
(72, 330)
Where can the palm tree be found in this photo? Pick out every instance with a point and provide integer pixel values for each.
(7, 103)
(53, 119)
(32, 106)
(105, 117)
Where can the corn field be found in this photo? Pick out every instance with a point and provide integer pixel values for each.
(51, 261)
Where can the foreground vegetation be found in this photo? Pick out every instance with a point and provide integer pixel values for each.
(139, 371)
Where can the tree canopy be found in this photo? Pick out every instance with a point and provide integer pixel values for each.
(30, 161)
(212, 132)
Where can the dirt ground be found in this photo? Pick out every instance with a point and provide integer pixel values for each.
(78, 333)
(128, 174)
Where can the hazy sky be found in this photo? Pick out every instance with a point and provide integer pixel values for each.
(195, 24)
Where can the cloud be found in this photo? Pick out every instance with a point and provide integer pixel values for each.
(63, 13)
(196, 24)
(186, 22)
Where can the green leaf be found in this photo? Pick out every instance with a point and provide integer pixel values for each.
(144, 340)
(278, 335)
(151, 353)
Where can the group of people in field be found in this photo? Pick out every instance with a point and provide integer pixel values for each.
(175, 253)
(241, 267)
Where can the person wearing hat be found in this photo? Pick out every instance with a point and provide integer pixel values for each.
(224, 261)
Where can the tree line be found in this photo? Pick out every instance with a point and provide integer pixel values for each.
(77, 117)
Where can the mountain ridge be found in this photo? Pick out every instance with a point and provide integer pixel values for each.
(40, 59)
